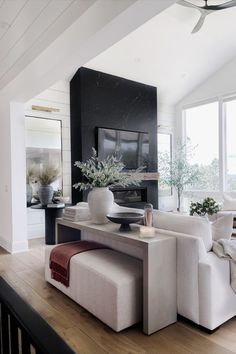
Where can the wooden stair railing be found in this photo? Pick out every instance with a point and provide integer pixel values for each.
(23, 330)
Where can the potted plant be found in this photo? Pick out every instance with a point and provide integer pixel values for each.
(57, 195)
(46, 176)
(178, 172)
(208, 207)
(100, 175)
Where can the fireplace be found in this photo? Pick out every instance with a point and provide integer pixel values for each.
(135, 197)
(115, 104)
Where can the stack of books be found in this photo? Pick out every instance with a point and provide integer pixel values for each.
(77, 213)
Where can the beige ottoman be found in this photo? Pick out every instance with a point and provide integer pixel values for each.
(106, 283)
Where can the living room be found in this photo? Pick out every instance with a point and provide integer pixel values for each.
(175, 90)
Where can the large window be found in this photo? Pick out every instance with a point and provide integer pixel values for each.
(214, 148)
(202, 133)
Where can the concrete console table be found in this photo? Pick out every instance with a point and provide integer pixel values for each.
(158, 254)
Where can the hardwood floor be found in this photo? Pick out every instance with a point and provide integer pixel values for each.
(87, 335)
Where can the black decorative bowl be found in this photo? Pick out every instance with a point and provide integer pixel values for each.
(125, 219)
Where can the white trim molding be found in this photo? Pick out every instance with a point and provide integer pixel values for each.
(15, 247)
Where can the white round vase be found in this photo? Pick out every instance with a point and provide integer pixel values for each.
(100, 201)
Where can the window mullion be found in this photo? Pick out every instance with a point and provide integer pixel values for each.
(222, 148)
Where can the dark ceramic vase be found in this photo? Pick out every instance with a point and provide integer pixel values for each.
(45, 194)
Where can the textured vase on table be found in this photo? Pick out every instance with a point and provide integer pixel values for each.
(45, 194)
(100, 202)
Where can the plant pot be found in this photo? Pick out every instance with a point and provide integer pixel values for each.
(100, 201)
(29, 193)
(45, 194)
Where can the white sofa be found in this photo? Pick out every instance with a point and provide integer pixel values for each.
(204, 294)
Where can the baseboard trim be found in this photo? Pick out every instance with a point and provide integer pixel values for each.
(14, 247)
(35, 237)
(5, 244)
(20, 246)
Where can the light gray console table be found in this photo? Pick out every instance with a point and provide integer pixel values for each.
(159, 264)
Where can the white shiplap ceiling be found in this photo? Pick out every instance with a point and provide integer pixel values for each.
(28, 26)
(164, 53)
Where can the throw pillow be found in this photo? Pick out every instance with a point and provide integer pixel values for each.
(185, 224)
(229, 203)
(222, 227)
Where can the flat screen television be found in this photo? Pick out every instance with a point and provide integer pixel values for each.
(132, 147)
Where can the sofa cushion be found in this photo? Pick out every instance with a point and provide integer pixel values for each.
(221, 224)
(222, 227)
(185, 224)
(229, 203)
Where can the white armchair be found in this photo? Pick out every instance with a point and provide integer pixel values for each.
(204, 294)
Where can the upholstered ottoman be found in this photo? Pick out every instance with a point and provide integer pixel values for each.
(106, 283)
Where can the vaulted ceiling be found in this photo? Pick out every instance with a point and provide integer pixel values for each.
(164, 53)
(28, 26)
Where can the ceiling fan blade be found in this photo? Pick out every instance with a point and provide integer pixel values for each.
(226, 5)
(199, 23)
(188, 4)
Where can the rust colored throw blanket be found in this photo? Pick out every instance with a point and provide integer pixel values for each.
(60, 257)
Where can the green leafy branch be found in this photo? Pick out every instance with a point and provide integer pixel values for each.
(105, 173)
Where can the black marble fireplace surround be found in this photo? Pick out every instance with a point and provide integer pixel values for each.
(101, 100)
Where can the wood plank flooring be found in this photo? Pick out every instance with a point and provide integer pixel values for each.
(87, 335)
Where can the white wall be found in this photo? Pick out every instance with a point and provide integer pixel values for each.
(12, 186)
(5, 185)
(57, 96)
(220, 84)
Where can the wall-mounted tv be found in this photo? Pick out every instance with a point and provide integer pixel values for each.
(132, 147)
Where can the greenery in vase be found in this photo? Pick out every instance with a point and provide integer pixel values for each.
(178, 172)
(208, 206)
(47, 175)
(105, 173)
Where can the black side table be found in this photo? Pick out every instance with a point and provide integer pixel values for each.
(51, 213)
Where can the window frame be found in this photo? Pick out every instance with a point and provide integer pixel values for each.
(225, 100)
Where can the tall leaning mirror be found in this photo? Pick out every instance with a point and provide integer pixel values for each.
(43, 150)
